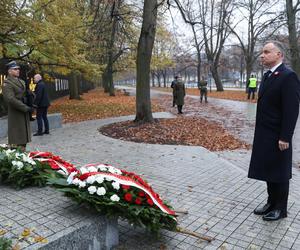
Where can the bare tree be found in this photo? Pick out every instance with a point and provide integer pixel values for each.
(144, 53)
(291, 12)
(261, 24)
(211, 17)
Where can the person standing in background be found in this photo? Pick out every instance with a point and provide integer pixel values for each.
(202, 86)
(252, 85)
(179, 94)
(41, 103)
(14, 91)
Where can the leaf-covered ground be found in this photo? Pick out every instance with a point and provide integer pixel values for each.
(176, 131)
(190, 129)
(95, 105)
(237, 95)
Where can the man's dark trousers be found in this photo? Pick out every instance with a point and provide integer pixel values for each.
(278, 195)
(41, 115)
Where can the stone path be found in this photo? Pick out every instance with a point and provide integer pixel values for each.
(212, 187)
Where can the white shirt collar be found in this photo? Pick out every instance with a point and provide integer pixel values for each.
(275, 67)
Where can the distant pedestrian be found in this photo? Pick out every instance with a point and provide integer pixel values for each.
(252, 85)
(14, 91)
(179, 94)
(41, 103)
(173, 87)
(202, 86)
(276, 117)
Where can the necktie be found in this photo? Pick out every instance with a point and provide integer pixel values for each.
(267, 74)
(263, 82)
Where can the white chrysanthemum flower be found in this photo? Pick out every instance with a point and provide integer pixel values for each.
(92, 189)
(76, 181)
(91, 179)
(92, 169)
(18, 155)
(116, 185)
(108, 178)
(83, 170)
(102, 167)
(115, 197)
(28, 159)
(111, 169)
(18, 164)
(101, 191)
(118, 171)
(100, 179)
(9, 151)
(82, 184)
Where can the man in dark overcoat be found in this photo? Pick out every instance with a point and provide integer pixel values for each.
(19, 131)
(41, 103)
(276, 117)
(179, 94)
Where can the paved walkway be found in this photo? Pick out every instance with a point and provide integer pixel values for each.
(212, 187)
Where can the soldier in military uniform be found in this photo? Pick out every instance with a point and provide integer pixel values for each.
(19, 131)
(179, 94)
(202, 86)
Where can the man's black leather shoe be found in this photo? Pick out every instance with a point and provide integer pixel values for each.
(263, 210)
(46, 132)
(38, 134)
(274, 215)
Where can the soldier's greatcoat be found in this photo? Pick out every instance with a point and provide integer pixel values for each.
(179, 93)
(19, 131)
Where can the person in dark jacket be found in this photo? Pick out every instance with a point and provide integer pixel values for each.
(41, 103)
(19, 131)
(276, 117)
(179, 94)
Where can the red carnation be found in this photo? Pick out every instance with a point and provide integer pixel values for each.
(141, 194)
(150, 202)
(128, 197)
(138, 201)
(125, 187)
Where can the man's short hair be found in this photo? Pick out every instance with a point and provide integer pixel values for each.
(278, 45)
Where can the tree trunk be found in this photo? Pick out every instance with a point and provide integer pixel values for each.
(198, 72)
(215, 75)
(158, 80)
(74, 88)
(105, 81)
(293, 40)
(153, 79)
(165, 77)
(144, 52)
(249, 68)
(111, 46)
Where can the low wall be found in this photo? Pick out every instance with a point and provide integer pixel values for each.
(55, 121)
(62, 223)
